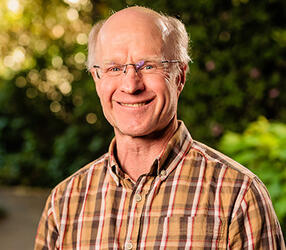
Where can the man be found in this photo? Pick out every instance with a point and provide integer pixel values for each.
(156, 188)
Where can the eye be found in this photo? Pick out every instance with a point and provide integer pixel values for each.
(114, 69)
(149, 67)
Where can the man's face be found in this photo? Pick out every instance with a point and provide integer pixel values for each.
(134, 104)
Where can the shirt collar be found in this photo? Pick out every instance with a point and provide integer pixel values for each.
(179, 143)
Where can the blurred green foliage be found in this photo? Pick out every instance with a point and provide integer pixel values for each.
(51, 122)
(262, 148)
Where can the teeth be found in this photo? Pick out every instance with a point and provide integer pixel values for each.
(133, 104)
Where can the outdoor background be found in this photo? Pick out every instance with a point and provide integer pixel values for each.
(51, 123)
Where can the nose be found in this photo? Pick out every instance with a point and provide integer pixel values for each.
(130, 64)
(131, 82)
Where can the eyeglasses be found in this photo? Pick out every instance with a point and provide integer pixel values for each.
(142, 67)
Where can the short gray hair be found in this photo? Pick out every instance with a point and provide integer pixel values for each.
(92, 39)
(176, 42)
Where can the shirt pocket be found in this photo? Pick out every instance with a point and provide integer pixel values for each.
(198, 232)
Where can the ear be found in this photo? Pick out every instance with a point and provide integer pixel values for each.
(94, 75)
(95, 78)
(181, 78)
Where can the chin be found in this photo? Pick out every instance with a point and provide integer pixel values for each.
(136, 130)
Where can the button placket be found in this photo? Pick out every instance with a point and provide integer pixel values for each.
(138, 197)
(163, 174)
(134, 222)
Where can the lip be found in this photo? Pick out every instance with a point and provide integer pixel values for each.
(134, 104)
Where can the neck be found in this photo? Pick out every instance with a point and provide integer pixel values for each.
(137, 154)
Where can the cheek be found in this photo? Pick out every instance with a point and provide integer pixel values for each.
(169, 91)
(171, 97)
(104, 91)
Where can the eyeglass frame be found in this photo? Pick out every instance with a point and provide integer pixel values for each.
(136, 66)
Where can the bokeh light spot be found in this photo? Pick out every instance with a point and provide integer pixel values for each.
(8, 61)
(79, 58)
(40, 46)
(82, 38)
(72, 1)
(24, 40)
(51, 76)
(19, 55)
(31, 93)
(72, 14)
(91, 118)
(57, 61)
(224, 36)
(65, 87)
(14, 6)
(20, 82)
(210, 65)
(254, 73)
(44, 87)
(274, 93)
(55, 107)
(58, 31)
(15, 60)
(34, 76)
(50, 21)
(54, 95)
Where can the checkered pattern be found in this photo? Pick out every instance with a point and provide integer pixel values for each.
(193, 198)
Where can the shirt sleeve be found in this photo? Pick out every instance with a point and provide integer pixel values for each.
(47, 234)
(255, 225)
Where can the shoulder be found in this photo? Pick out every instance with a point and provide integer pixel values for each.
(225, 178)
(219, 160)
(234, 171)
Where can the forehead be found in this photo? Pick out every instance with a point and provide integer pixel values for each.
(130, 36)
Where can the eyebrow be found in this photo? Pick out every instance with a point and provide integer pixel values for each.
(149, 59)
(145, 59)
(110, 63)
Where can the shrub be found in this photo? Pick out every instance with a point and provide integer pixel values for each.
(262, 148)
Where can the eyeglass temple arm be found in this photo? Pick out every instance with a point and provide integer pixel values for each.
(96, 67)
(170, 61)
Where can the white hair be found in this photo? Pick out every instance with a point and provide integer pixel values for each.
(174, 34)
(176, 41)
(92, 39)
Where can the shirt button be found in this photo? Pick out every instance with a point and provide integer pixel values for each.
(138, 197)
(163, 173)
(128, 245)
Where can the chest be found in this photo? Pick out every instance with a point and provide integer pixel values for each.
(156, 215)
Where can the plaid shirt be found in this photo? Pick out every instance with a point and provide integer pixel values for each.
(193, 197)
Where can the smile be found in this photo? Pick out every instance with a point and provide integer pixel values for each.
(140, 104)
